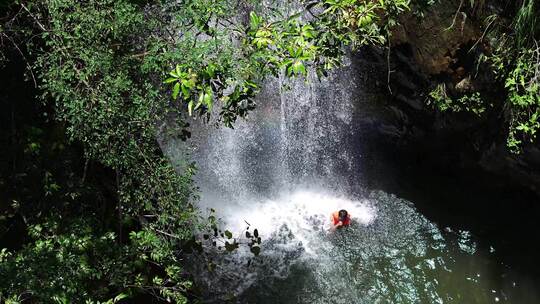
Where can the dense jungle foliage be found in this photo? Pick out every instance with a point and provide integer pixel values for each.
(91, 210)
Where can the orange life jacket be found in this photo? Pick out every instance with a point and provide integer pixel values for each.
(335, 218)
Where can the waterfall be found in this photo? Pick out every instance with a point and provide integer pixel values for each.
(302, 133)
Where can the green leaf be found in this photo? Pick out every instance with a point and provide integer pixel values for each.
(228, 234)
(188, 83)
(120, 297)
(200, 101)
(254, 20)
(176, 90)
(170, 80)
(290, 70)
(208, 99)
(185, 91)
(250, 84)
(298, 67)
(190, 107)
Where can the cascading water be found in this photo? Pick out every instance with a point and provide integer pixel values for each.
(284, 170)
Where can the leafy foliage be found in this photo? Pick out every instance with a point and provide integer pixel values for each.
(97, 62)
(515, 62)
(466, 103)
(69, 263)
(314, 36)
(523, 86)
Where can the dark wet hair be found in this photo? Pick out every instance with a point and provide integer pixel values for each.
(342, 214)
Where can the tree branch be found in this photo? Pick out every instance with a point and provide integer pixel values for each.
(41, 26)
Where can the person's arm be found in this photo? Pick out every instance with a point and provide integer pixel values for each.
(332, 225)
(336, 226)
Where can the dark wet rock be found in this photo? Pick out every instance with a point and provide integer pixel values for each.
(435, 39)
(524, 169)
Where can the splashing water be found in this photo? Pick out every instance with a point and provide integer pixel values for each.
(284, 170)
(304, 213)
(390, 254)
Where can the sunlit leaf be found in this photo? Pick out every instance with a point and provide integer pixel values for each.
(176, 90)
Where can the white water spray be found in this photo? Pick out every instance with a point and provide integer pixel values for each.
(305, 213)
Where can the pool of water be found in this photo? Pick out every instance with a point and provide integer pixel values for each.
(390, 254)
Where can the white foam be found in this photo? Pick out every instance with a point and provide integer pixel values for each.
(304, 212)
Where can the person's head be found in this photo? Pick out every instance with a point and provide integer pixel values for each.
(342, 214)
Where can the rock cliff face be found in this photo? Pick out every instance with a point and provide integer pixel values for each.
(435, 39)
(433, 50)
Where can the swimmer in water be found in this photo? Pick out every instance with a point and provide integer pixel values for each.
(340, 219)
